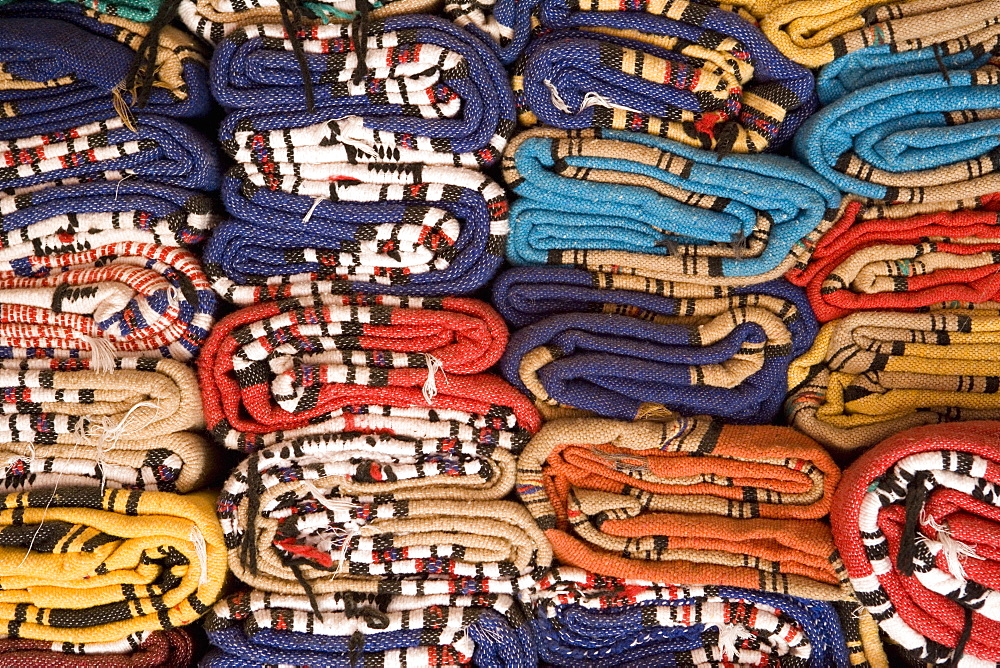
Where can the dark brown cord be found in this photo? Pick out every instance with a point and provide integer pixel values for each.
(142, 74)
(291, 21)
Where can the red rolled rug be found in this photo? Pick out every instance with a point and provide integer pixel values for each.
(159, 649)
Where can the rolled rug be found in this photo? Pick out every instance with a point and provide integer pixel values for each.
(870, 375)
(157, 649)
(870, 143)
(866, 263)
(121, 300)
(586, 619)
(438, 231)
(485, 630)
(916, 521)
(64, 65)
(160, 149)
(690, 72)
(628, 354)
(619, 201)
(84, 566)
(428, 92)
(688, 501)
(506, 24)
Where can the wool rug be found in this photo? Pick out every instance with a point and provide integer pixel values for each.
(84, 566)
(872, 144)
(427, 91)
(63, 65)
(598, 199)
(431, 231)
(866, 263)
(122, 300)
(586, 619)
(485, 630)
(870, 375)
(652, 500)
(686, 71)
(506, 24)
(916, 522)
(626, 354)
(156, 649)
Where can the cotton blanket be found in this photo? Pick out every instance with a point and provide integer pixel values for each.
(869, 263)
(690, 72)
(427, 231)
(916, 522)
(585, 619)
(600, 199)
(871, 143)
(871, 375)
(63, 65)
(157, 649)
(485, 630)
(627, 354)
(159, 149)
(428, 92)
(84, 566)
(506, 24)
(121, 300)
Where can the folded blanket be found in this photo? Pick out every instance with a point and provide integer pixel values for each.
(485, 630)
(125, 299)
(429, 92)
(585, 619)
(906, 264)
(871, 143)
(916, 521)
(506, 24)
(84, 566)
(63, 65)
(601, 199)
(428, 231)
(628, 354)
(285, 365)
(871, 375)
(690, 72)
(633, 499)
(157, 649)
(160, 149)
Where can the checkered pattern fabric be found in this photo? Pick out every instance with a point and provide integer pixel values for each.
(598, 199)
(158, 649)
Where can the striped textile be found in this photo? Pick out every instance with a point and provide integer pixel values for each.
(63, 65)
(90, 550)
(866, 262)
(611, 498)
(585, 619)
(599, 199)
(133, 10)
(627, 354)
(506, 24)
(421, 231)
(870, 142)
(485, 630)
(690, 72)
(158, 649)
(870, 375)
(430, 92)
(160, 149)
(916, 521)
(125, 299)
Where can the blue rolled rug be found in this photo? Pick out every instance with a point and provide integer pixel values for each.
(599, 345)
(506, 24)
(623, 202)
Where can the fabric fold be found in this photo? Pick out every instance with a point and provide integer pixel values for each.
(506, 24)
(630, 203)
(157, 649)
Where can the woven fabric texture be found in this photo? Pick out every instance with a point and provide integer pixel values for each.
(158, 649)
(870, 375)
(866, 263)
(681, 347)
(602, 492)
(916, 522)
(432, 230)
(125, 299)
(103, 565)
(429, 92)
(133, 10)
(63, 65)
(507, 24)
(654, 207)
(690, 72)
(585, 619)
(872, 144)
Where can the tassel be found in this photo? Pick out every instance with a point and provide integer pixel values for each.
(356, 645)
(429, 390)
(915, 498)
(359, 31)
(255, 487)
(963, 639)
(739, 243)
(142, 75)
(940, 63)
(301, 579)
(291, 21)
